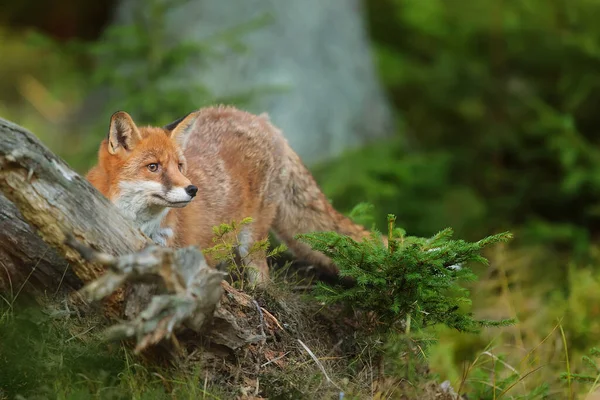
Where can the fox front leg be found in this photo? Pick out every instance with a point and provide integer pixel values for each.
(254, 264)
(162, 236)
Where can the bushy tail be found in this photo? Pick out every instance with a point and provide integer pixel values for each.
(303, 209)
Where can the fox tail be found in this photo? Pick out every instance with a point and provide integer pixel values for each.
(304, 208)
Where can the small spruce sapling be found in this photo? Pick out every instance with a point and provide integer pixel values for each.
(411, 281)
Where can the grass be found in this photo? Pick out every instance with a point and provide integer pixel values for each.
(548, 341)
(566, 348)
(47, 351)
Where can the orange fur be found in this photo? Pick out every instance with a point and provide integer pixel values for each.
(243, 167)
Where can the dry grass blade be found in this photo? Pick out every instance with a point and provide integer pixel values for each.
(8, 277)
(519, 380)
(321, 367)
(275, 359)
(27, 279)
(495, 358)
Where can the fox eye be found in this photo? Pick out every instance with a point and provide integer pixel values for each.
(180, 167)
(153, 167)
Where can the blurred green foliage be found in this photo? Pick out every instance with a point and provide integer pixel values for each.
(498, 102)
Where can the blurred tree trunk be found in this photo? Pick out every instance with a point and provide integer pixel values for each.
(307, 63)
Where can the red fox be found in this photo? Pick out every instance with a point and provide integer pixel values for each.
(216, 165)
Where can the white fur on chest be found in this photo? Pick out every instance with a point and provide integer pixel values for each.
(134, 200)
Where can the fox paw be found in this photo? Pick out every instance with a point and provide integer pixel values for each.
(161, 237)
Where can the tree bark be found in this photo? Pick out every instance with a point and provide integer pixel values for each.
(26, 261)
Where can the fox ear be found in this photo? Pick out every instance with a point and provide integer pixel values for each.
(181, 132)
(122, 134)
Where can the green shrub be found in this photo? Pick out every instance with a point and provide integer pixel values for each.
(413, 282)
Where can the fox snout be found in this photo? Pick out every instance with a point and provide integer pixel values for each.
(179, 196)
(178, 190)
(191, 190)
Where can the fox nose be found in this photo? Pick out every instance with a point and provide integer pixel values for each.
(191, 190)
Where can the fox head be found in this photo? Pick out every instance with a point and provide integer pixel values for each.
(144, 169)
